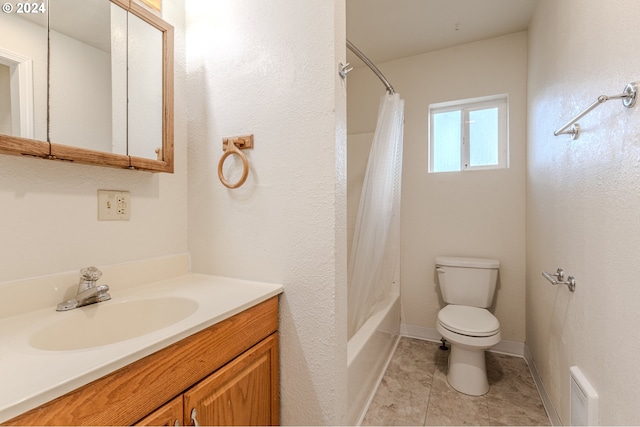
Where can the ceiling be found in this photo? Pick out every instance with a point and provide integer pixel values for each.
(385, 30)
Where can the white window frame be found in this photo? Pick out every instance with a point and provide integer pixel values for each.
(465, 106)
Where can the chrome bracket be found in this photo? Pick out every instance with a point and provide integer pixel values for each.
(574, 131)
(630, 94)
(344, 70)
(557, 278)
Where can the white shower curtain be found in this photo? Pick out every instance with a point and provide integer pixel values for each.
(375, 250)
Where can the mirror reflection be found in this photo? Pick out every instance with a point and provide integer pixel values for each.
(145, 88)
(23, 75)
(82, 73)
(104, 74)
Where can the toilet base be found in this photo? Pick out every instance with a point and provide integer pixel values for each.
(467, 371)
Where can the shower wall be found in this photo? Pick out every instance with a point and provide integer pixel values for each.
(477, 213)
(583, 203)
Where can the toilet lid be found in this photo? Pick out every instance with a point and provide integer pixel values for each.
(470, 321)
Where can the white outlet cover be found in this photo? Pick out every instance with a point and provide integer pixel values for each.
(114, 205)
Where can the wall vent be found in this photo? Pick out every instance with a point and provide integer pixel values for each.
(583, 401)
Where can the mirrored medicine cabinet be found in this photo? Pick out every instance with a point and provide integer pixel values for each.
(87, 81)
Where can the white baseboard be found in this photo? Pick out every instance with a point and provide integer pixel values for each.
(512, 348)
(412, 331)
(546, 400)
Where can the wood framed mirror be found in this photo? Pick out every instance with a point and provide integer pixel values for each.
(122, 116)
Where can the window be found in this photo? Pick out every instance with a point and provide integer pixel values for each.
(470, 134)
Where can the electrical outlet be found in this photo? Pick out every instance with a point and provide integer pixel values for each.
(114, 205)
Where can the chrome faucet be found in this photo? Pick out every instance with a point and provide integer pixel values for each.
(88, 291)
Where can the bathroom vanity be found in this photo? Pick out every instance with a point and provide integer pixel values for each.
(217, 366)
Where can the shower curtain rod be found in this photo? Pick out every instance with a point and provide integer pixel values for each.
(370, 64)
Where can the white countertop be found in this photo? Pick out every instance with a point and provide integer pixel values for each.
(30, 377)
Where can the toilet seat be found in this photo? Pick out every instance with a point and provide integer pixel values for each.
(469, 321)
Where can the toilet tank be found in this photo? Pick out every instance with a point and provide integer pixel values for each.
(467, 281)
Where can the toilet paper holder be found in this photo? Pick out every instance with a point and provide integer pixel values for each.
(557, 278)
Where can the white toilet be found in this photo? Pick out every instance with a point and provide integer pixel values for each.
(467, 286)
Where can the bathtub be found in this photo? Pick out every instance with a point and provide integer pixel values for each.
(368, 353)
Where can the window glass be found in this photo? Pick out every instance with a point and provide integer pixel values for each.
(483, 137)
(446, 141)
(469, 134)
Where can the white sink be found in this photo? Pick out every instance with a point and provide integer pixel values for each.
(110, 322)
(45, 354)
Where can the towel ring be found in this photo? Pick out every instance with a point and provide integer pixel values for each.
(233, 146)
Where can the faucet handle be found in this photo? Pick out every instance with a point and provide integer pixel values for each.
(90, 274)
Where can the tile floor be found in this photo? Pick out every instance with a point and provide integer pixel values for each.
(414, 391)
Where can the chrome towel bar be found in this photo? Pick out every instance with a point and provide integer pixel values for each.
(557, 278)
(628, 97)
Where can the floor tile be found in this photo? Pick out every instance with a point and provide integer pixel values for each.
(513, 397)
(414, 391)
(403, 394)
(450, 407)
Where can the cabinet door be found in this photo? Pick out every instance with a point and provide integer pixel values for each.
(243, 392)
(169, 414)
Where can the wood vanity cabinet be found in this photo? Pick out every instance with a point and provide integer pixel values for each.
(169, 414)
(237, 394)
(228, 373)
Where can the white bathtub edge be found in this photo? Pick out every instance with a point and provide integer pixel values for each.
(375, 388)
(368, 353)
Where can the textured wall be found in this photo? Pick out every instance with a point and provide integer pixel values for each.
(270, 69)
(49, 208)
(583, 203)
(476, 213)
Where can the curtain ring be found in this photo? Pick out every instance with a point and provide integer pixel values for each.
(233, 149)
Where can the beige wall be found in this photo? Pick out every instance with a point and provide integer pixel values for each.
(583, 204)
(270, 69)
(49, 208)
(477, 213)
